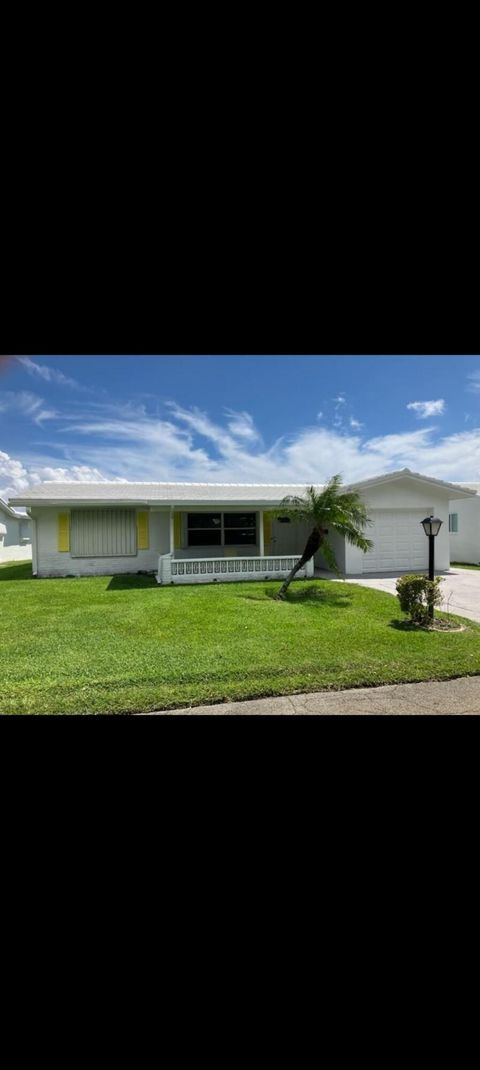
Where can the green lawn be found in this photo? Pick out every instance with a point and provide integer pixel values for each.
(123, 644)
(460, 564)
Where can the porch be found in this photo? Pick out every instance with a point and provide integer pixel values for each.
(173, 568)
(234, 545)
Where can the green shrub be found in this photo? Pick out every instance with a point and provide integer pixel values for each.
(416, 594)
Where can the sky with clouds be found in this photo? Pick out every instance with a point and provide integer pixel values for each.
(236, 419)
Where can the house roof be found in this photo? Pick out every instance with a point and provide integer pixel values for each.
(4, 507)
(463, 490)
(471, 486)
(52, 493)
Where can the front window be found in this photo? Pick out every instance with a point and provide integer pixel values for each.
(222, 529)
(103, 533)
(453, 522)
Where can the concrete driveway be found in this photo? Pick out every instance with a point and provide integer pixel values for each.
(460, 588)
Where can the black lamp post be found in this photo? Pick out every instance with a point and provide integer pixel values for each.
(431, 527)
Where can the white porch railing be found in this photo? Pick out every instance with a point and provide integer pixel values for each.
(223, 569)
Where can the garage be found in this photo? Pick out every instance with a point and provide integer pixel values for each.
(399, 541)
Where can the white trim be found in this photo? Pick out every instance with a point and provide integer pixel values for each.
(14, 513)
(172, 531)
(34, 546)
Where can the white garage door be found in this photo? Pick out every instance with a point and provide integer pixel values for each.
(399, 541)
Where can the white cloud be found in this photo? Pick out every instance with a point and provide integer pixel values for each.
(319, 415)
(355, 424)
(45, 414)
(13, 476)
(473, 385)
(127, 442)
(425, 409)
(49, 375)
(25, 404)
(242, 426)
(16, 476)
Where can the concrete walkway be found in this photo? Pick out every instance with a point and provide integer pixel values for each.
(460, 589)
(461, 696)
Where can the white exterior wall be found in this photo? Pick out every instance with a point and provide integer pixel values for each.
(337, 543)
(12, 544)
(465, 544)
(404, 494)
(53, 562)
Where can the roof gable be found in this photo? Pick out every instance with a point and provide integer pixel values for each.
(417, 477)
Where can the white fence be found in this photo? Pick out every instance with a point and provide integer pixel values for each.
(223, 569)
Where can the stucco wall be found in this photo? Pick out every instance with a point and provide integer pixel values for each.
(465, 544)
(403, 494)
(52, 562)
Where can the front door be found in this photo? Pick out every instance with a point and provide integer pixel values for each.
(287, 537)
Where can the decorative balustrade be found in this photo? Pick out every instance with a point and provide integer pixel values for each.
(223, 569)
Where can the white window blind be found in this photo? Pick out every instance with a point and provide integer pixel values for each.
(103, 533)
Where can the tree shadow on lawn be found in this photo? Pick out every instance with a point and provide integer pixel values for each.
(411, 626)
(129, 581)
(22, 571)
(306, 596)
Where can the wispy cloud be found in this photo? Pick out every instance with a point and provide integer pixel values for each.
(26, 404)
(425, 409)
(191, 446)
(342, 418)
(241, 425)
(99, 440)
(48, 374)
(473, 382)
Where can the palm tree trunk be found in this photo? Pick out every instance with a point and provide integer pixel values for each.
(313, 543)
(286, 583)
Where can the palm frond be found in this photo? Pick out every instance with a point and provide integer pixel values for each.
(343, 512)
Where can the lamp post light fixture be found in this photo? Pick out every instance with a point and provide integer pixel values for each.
(431, 526)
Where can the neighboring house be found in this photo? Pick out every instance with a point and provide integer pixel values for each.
(464, 527)
(202, 532)
(15, 534)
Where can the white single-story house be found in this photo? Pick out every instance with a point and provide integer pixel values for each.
(204, 532)
(464, 526)
(15, 534)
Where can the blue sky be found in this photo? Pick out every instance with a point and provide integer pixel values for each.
(234, 419)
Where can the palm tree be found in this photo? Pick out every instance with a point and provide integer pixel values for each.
(327, 510)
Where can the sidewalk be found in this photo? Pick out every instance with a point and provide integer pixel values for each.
(461, 696)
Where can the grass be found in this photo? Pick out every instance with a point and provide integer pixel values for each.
(461, 564)
(123, 644)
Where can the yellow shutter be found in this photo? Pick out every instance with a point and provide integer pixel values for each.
(177, 531)
(267, 530)
(143, 542)
(63, 532)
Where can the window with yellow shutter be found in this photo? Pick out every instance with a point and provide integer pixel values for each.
(103, 533)
(63, 532)
(142, 531)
